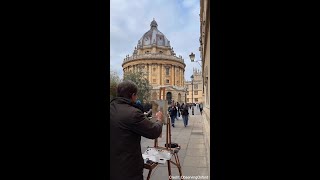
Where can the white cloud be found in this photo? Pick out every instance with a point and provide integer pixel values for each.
(178, 20)
(190, 3)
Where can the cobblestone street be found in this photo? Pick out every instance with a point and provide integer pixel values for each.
(192, 155)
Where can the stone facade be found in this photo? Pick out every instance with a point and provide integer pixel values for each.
(197, 88)
(154, 57)
(205, 56)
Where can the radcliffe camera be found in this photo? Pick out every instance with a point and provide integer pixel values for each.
(159, 90)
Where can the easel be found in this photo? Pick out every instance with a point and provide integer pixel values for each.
(174, 151)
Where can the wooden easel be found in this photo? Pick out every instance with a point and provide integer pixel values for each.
(174, 151)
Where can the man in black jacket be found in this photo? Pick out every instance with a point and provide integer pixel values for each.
(127, 125)
(173, 113)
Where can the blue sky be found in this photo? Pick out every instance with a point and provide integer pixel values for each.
(178, 20)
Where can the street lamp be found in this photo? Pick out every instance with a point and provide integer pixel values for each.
(192, 56)
(192, 93)
(185, 96)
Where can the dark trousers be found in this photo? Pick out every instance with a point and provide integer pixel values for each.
(185, 119)
(173, 118)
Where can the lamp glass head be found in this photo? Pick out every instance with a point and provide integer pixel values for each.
(192, 56)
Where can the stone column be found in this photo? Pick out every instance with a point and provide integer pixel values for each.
(149, 73)
(160, 71)
(163, 74)
(179, 77)
(174, 75)
(183, 78)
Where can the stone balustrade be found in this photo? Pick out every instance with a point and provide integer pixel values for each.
(153, 56)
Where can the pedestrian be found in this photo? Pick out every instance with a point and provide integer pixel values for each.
(185, 114)
(201, 107)
(173, 113)
(192, 108)
(178, 110)
(127, 125)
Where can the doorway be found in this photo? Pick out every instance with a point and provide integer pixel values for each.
(169, 97)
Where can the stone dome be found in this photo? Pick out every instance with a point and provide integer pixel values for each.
(153, 37)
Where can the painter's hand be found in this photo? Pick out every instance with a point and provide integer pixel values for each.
(159, 116)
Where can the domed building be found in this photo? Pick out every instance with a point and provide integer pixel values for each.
(154, 57)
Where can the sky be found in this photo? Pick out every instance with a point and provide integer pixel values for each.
(178, 20)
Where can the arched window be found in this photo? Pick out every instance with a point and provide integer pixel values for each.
(169, 97)
(167, 71)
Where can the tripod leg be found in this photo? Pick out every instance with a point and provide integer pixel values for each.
(177, 159)
(149, 174)
(167, 133)
(156, 142)
(179, 166)
(169, 169)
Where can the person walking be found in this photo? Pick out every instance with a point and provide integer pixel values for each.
(173, 113)
(201, 107)
(185, 114)
(178, 110)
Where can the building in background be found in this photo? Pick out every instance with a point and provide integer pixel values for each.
(197, 96)
(205, 56)
(154, 57)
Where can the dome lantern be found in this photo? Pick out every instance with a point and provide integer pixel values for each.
(154, 24)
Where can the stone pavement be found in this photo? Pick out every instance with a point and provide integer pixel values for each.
(192, 155)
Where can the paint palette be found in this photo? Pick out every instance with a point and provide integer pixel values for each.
(157, 155)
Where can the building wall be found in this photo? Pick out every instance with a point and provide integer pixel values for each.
(205, 56)
(155, 70)
(175, 94)
(197, 88)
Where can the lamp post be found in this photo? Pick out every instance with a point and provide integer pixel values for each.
(192, 93)
(185, 96)
(192, 56)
